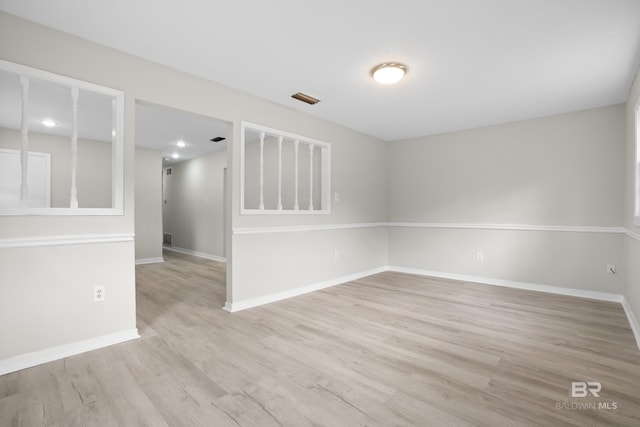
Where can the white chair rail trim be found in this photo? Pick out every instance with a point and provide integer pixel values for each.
(300, 228)
(518, 227)
(72, 239)
(632, 234)
(439, 225)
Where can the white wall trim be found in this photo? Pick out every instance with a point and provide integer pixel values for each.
(441, 225)
(278, 296)
(603, 296)
(35, 358)
(73, 239)
(195, 253)
(299, 228)
(633, 320)
(632, 234)
(142, 261)
(581, 293)
(519, 227)
(117, 156)
(325, 170)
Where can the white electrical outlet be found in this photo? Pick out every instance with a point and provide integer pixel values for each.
(480, 256)
(336, 197)
(336, 255)
(611, 268)
(98, 293)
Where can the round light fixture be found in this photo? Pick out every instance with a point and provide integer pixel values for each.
(175, 155)
(48, 123)
(181, 144)
(389, 73)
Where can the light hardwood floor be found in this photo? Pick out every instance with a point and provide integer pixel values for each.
(388, 350)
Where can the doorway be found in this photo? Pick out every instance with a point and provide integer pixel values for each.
(181, 158)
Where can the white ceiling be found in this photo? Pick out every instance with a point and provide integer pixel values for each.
(162, 128)
(471, 62)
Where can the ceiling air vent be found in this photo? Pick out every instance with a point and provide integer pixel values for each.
(217, 139)
(305, 98)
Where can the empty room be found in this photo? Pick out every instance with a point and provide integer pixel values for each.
(363, 213)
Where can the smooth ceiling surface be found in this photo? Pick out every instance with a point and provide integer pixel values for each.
(471, 62)
(162, 128)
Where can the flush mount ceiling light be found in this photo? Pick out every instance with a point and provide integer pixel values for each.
(181, 144)
(388, 73)
(48, 123)
(175, 155)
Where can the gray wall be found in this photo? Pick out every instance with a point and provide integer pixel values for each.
(562, 170)
(632, 244)
(148, 208)
(268, 263)
(359, 172)
(193, 204)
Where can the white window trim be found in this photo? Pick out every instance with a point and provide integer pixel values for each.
(117, 161)
(325, 173)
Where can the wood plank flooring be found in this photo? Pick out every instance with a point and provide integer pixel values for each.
(387, 350)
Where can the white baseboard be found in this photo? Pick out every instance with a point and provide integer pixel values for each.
(633, 320)
(597, 295)
(278, 296)
(195, 253)
(603, 296)
(149, 260)
(35, 358)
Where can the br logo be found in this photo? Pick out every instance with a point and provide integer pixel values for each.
(582, 389)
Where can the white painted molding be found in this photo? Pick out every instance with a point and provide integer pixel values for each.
(62, 211)
(285, 212)
(632, 234)
(325, 171)
(299, 228)
(581, 293)
(142, 261)
(278, 296)
(195, 253)
(602, 296)
(465, 226)
(117, 168)
(29, 360)
(633, 320)
(73, 239)
(519, 227)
